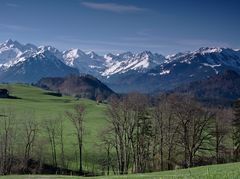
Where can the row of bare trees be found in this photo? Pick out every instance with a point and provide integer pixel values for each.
(175, 131)
(27, 144)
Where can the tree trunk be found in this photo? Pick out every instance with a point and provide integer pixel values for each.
(80, 159)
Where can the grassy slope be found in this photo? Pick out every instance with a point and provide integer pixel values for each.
(224, 171)
(46, 106)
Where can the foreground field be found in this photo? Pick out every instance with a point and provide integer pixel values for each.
(224, 171)
(46, 106)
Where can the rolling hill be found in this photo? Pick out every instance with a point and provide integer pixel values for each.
(79, 86)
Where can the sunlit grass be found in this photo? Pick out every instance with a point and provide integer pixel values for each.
(47, 106)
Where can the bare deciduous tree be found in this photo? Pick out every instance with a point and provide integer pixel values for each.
(107, 145)
(195, 127)
(7, 139)
(30, 128)
(77, 119)
(165, 131)
(223, 118)
(51, 127)
(61, 133)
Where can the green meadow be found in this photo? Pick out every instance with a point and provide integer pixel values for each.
(45, 107)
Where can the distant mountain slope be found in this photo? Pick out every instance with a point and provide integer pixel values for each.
(33, 68)
(108, 65)
(140, 62)
(80, 86)
(188, 67)
(220, 89)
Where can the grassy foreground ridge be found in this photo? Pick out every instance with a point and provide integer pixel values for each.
(221, 171)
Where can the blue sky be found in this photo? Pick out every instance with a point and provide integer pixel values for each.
(163, 26)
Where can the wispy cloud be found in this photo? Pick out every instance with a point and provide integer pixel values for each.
(113, 7)
(16, 27)
(12, 5)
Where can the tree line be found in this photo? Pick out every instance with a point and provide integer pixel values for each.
(173, 131)
(28, 145)
(142, 134)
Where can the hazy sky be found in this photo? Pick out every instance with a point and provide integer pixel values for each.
(163, 26)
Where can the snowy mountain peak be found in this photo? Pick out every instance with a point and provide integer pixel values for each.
(145, 53)
(151, 58)
(9, 51)
(11, 44)
(8, 42)
(48, 51)
(73, 53)
(205, 50)
(42, 49)
(177, 55)
(74, 57)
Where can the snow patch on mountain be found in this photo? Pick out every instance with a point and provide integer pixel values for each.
(165, 72)
(212, 66)
(205, 50)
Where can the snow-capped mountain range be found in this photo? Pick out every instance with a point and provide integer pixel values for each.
(12, 52)
(145, 71)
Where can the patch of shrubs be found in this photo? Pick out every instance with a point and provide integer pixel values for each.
(54, 94)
